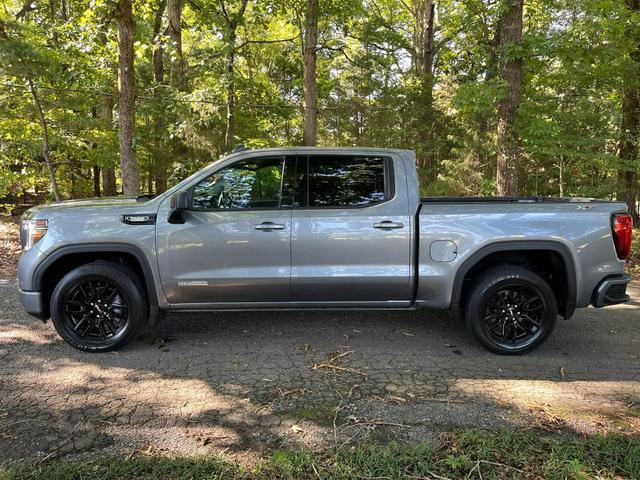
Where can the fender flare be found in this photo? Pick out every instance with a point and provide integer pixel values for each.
(515, 245)
(105, 247)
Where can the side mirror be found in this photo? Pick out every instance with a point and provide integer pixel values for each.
(181, 202)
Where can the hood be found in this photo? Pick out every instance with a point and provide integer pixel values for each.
(86, 203)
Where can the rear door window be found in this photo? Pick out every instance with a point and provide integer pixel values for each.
(346, 181)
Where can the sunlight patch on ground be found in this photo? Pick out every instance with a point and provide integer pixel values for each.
(585, 406)
(14, 333)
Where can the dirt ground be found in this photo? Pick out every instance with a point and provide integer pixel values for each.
(9, 246)
(245, 383)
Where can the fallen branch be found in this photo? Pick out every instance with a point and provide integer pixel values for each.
(498, 464)
(339, 369)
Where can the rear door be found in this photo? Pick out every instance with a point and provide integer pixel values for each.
(350, 237)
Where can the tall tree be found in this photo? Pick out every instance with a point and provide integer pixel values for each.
(108, 172)
(159, 155)
(230, 34)
(630, 128)
(309, 77)
(508, 140)
(126, 99)
(45, 140)
(424, 14)
(174, 12)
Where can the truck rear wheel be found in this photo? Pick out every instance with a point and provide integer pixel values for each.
(99, 306)
(511, 310)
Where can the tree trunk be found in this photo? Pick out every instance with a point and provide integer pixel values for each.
(96, 181)
(231, 91)
(561, 177)
(45, 141)
(309, 88)
(126, 100)
(159, 163)
(630, 129)
(108, 173)
(158, 47)
(231, 35)
(508, 141)
(174, 10)
(424, 13)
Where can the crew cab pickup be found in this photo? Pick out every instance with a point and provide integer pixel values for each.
(320, 228)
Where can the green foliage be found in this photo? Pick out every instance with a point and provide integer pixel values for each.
(575, 57)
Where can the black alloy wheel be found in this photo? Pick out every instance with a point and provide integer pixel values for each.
(510, 309)
(99, 306)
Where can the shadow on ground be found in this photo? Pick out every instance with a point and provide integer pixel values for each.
(249, 382)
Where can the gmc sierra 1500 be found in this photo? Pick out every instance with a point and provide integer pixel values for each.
(320, 228)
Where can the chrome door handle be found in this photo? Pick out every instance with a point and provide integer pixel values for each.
(388, 225)
(268, 226)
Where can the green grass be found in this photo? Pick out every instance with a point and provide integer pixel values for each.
(464, 454)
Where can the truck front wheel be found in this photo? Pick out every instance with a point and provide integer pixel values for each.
(99, 306)
(511, 310)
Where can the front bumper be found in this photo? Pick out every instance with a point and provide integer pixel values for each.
(32, 303)
(611, 291)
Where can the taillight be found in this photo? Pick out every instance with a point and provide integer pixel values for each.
(621, 228)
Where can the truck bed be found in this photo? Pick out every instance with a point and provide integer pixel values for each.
(521, 199)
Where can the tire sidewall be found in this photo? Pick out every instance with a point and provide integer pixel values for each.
(123, 279)
(492, 281)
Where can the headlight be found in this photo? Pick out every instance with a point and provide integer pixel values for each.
(31, 231)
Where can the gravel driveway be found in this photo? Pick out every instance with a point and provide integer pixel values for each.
(249, 382)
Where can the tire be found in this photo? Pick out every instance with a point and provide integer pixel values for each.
(99, 306)
(511, 310)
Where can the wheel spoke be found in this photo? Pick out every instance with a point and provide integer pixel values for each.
(92, 290)
(530, 320)
(83, 292)
(110, 324)
(493, 318)
(103, 332)
(83, 320)
(109, 298)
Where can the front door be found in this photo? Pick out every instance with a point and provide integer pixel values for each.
(234, 244)
(351, 239)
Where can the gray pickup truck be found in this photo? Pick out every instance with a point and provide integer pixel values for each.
(320, 228)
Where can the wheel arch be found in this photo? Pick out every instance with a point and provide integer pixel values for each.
(65, 258)
(518, 249)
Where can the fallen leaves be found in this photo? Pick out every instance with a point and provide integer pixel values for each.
(9, 246)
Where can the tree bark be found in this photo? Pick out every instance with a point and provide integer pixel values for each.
(126, 99)
(424, 12)
(309, 86)
(158, 47)
(45, 141)
(108, 173)
(508, 140)
(231, 35)
(231, 91)
(159, 163)
(174, 11)
(630, 128)
(96, 181)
